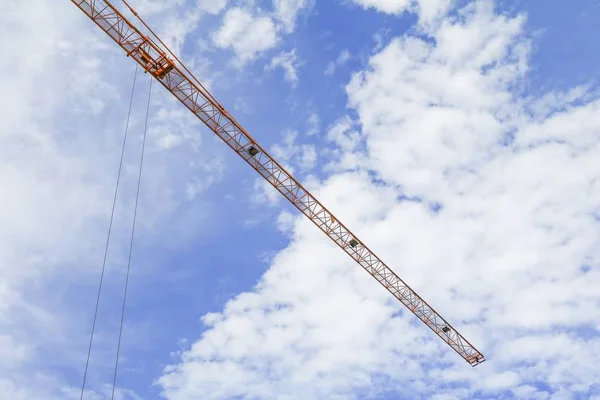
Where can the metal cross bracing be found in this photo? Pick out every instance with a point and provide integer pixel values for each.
(153, 56)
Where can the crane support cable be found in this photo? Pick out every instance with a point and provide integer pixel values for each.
(137, 196)
(112, 214)
(176, 78)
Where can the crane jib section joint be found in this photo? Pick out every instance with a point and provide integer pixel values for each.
(152, 58)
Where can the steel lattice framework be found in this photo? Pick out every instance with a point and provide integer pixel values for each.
(153, 55)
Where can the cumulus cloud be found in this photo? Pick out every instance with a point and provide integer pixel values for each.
(286, 11)
(289, 63)
(483, 198)
(58, 158)
(288, 151)
(212, 172)
(314, 124)
(342, 58)
(169, 20)
(49, 192)
(388, 6)
(429, 11)
(247, 34)
(250, 31)
(264, 193)
(211, 6)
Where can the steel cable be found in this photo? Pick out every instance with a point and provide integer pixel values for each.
(112, 214)
(137, 196)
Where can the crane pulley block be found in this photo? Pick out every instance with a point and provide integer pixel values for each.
(152, 58)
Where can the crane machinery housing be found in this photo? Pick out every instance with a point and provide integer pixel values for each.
(150, 52)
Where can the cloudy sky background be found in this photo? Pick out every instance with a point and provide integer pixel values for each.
(459, 139)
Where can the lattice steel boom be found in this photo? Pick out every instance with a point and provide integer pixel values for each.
(154, 56)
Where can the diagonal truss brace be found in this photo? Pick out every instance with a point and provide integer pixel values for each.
(152, 56)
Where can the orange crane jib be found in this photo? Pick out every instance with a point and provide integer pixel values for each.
(152, 55)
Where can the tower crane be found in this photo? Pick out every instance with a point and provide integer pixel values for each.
(150, 52)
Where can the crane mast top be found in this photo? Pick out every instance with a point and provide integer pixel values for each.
(156, 58)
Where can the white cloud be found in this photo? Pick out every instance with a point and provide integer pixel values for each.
(50, 191)
(173, 29)
(288, 151)
(247, 34)
(502, 258)
(347, 154)
(308, 158)
(211, 172)
(173, 127)
(170, 19)
(289, 63)
(314, 124)
(286, 11)
(60, 137)
(13, 353)
(211, 6)
(429, 11)
(342, 58)
(286, 222)
(343, 135)
(250, 31)
(387, 6)
(265, 193)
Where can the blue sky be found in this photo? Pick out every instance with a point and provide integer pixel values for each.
(369, 102)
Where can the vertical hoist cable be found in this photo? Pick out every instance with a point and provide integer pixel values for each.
(137, 196)
(112, 214)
